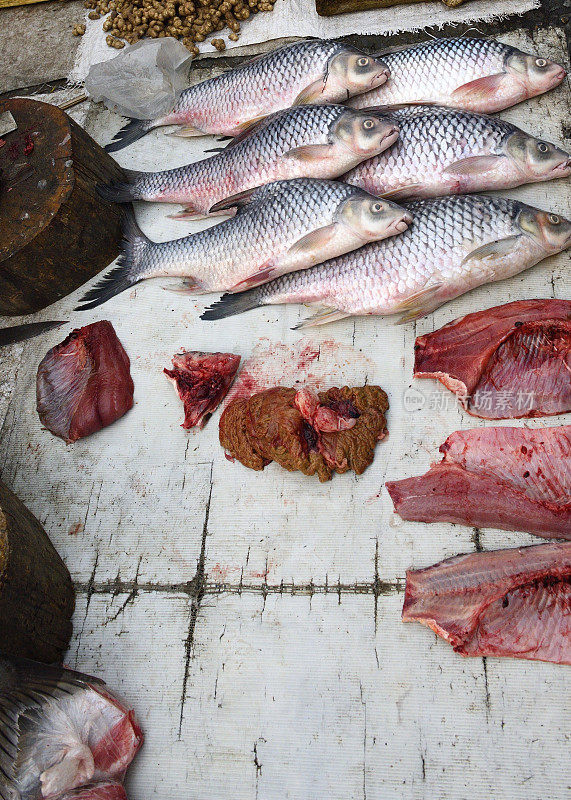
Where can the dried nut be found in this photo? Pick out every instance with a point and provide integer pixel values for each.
(78, 30)
(219, 44)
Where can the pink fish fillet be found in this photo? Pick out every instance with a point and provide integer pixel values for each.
(502, 603)
(506, 362)
(510, 478)
(104, 790)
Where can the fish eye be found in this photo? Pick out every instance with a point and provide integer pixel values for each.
(554, 219)
(363, 61)
(368, 124)
(542, 147)
(376, 208)
(540, 62)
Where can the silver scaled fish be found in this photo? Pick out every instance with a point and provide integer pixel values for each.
(313, 141)
(280, 227)
(481, 75)
(453, 245)
(443, 151)
(314, 71)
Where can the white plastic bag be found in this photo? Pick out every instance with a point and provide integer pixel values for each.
(144, 80)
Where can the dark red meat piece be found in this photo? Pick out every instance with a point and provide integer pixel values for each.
(510, 478)
(104, 790)
(507, 362)
(84, 383)
(202, 381)
(503, 603)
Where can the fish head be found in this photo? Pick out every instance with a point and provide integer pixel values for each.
(351, 72)
(551, 232)
(365, 133)
(371, 218)
(536, 159)
(536, 75)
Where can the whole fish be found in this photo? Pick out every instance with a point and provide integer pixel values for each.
(314, 141)
(314, 71)
(443, 151)
(453, 245)
(280, 227)
(60, 730)
(480, 75)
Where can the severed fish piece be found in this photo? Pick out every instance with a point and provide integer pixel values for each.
(511, 478)
(61, 730)
(202, 381)
(503, 603)
(506, 362)
(84, 383)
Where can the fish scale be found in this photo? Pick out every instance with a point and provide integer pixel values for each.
(283, 226)
(251, 158)
(419, 270)
(432, 70)
(282, 71)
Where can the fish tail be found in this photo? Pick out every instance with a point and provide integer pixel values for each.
(121, 191)
(130, 268)
(135, 129)
(231, 304)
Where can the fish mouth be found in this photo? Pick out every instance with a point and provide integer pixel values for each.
(391, 134)
(563, 169)
(401, 224)
(558, 76)
(381, 76)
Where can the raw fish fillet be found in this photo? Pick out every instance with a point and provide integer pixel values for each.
(502, 603)
(60, 731)
(511, 478)
(84, 383)
(202, 381)
(507, 362)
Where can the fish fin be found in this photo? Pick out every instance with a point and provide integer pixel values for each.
(473, 165)
(216, 149)
(129, 269)
(310, 94)
(234, 201)
(403, 191)
(480, 89)
(400, 106)
(252, 127)
(497, 248)
(190, 213)
(245, 128)
(309, 153)
(231, 304)
(419, 304)
(321, 317)
(262, 275)
(120, 191)
(135, 129)
(187, 286)
(186, 132)
(315, 240)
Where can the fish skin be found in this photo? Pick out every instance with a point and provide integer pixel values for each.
(433, 139)
(317, 70)
(422, 268)
(267, 154)
(443, 71)
(267, 237)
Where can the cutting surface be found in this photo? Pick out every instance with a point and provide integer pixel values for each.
(253, 619)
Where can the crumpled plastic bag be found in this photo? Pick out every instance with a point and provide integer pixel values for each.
(144, 80)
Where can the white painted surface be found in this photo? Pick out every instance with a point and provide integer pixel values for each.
(291, 678)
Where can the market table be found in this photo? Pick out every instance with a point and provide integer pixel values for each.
(253, 619)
